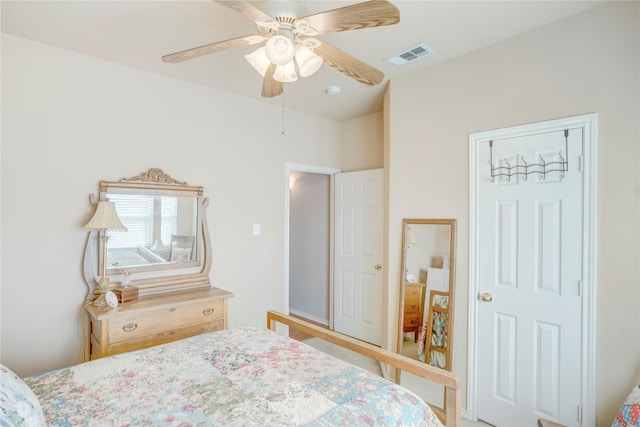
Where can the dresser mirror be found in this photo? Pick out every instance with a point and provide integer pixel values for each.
(166, 245)
(426, 291)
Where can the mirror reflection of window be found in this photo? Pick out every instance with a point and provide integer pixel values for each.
(153, 222)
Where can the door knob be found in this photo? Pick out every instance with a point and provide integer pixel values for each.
(486, 297)
(378, 267)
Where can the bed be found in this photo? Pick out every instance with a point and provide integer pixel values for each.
(240, 376)
(629, 413)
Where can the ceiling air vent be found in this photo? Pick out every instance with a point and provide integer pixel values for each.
(410, 54)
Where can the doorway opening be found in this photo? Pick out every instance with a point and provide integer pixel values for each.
(308, 243)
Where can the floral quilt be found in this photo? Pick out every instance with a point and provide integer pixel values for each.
(629, 414)
(237, 377)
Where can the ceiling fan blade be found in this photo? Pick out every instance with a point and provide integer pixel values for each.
(374, 13)
(270, 86)
(246, 9)
(211, 48)
(347, 64)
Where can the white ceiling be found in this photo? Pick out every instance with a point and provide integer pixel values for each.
(139, 33)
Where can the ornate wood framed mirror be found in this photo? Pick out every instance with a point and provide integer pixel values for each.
(166, 246)
(427, 290)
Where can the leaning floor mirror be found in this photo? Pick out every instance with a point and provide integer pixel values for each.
(427, 291)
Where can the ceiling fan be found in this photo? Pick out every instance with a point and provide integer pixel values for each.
(291, 44)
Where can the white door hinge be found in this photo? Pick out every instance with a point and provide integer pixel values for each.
(579, 414)
(580, 164)
(579, 288)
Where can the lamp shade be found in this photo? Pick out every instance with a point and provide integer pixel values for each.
(308, 61)
(285, 73)
(258, 60)
(105, 218)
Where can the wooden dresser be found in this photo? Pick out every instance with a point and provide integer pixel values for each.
(154, 320)
(413, 307)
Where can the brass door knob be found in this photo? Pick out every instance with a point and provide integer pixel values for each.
(486, 297)
(378, 267)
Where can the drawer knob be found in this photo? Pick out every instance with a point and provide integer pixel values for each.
(130, 327)
(208, 311)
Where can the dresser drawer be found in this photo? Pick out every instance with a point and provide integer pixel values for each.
(412, 306)
(413, 292)
(134, 327)
(411, 321)
(165, 336)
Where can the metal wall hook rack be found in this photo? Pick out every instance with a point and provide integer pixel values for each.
(525, 169)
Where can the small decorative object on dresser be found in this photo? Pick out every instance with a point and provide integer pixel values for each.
(129, 293)
(111, 299)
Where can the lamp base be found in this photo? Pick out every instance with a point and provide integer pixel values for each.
(101, 301)
(102, 291)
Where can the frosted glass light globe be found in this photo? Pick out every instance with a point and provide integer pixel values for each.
(280, 50)
(308, 62)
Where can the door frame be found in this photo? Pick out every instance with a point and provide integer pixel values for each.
(296, 167)
(588, 163)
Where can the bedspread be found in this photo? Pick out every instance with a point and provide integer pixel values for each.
(242, 376)
(629, 414)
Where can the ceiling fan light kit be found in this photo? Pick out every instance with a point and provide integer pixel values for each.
(260, 62)
(290, 42)
(306, 61)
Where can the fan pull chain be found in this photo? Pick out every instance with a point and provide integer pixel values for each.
(282, 132)
(282, 113)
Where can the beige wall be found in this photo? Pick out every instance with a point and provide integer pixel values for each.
(69, 121)
(584, 64)
(362, 146)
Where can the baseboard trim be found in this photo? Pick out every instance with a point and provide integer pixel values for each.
(316, 319)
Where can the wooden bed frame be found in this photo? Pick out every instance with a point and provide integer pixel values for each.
(450, 415)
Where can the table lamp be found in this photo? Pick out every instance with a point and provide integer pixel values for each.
(104, 219)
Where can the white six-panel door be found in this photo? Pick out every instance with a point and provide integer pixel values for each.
(529, 283)
(358, 254)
